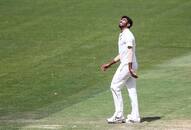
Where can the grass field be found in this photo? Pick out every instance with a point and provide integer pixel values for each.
(51, 50)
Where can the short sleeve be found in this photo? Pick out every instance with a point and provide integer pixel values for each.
(129, 40)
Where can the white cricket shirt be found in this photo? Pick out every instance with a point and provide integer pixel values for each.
(126, 39)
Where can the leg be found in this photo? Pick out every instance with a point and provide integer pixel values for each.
(118, 99)
(116, 86)
(131, 87)
(117, 82)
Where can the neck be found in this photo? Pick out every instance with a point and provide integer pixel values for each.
(122, 29)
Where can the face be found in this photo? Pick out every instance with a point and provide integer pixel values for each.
(123, 23)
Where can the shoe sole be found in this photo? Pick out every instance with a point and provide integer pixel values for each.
(116, 122)
(132, 122)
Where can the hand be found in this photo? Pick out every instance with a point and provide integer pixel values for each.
(133, 74)
(104, 67)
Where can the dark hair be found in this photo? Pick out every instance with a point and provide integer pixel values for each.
(130, 21)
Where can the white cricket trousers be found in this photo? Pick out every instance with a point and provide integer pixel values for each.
(122, 77)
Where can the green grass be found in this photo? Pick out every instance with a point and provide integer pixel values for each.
(50, 47)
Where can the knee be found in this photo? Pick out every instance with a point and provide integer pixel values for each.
(132, 92)
(114, 87)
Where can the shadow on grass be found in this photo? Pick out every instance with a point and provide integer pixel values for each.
(150, 119)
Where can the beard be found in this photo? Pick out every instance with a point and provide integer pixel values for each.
(122, 25)
(119, 26)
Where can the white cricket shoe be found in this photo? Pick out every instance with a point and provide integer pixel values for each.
(132, 120)
(115, 120)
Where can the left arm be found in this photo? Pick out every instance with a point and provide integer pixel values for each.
(130, 61)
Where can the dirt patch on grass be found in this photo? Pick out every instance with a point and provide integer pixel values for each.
(145, 125)
(177, 125)
(158, 125)
(101, 124)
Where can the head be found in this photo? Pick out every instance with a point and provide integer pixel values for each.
(125, 22)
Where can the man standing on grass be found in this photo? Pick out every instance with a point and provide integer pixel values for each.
(125, 74)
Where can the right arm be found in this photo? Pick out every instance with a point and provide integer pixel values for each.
(104, 67)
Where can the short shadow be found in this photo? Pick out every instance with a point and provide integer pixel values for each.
(150, 119)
